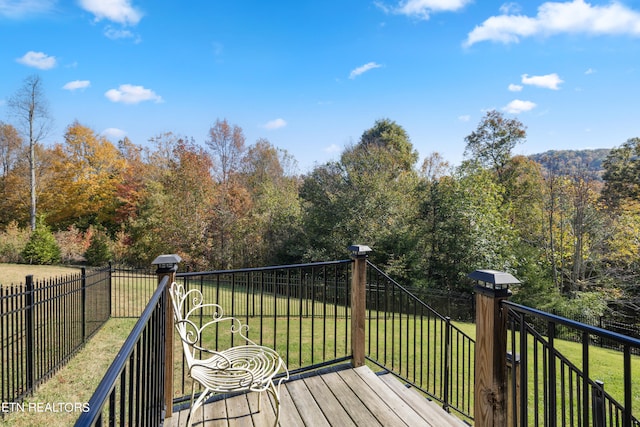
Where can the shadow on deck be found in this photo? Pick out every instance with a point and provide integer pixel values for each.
(331, 397)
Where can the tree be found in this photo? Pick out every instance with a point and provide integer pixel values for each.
(98, 252)
(10, 148)
(31, 109)
(274, 225)
(11, 173)
(88, 169)
(390, 137)
(370, 196)
(622, 173)
(494, 139)
(41, 247)
(226, 143)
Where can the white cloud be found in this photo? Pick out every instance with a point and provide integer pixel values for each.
(333, 148)
(275, 124)
(422, 9)
(363, 69)
(129, 94)
(38, 60)
(77, 84)
(464, 118)
(515, 88)
(119, 33)
(120, 11)
(573, 17)
(590, 71)
(548, 81)
(518, 106)
(15, 9)
(114, 133)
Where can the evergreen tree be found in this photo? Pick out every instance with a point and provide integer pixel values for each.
(42, 247)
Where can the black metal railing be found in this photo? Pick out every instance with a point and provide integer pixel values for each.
(300, 310)
(132, 289)
(409, 338)
(44, 323)
(132, 391)
(549, 389)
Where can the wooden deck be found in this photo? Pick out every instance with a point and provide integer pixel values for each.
(336, 397)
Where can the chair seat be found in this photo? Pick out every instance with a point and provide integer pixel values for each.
(240, 368)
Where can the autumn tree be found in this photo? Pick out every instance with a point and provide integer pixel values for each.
(622, 173)
(226, 145)
(31, 110)
(87, 170)
(493, 140)
(172, 211)
(131, 189)
(11, 153)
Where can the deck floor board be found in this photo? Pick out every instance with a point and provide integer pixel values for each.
(328, 398)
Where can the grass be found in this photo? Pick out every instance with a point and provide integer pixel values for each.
(604, 364)
(16, 273)
(76, 382)
(297, 341)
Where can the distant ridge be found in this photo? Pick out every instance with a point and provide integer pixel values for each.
(587, 163)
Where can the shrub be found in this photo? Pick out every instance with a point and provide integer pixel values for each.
(12, 242)
(98, 252)
(42, 247)
(73, 244)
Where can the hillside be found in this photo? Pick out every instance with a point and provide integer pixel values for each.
(573, 162)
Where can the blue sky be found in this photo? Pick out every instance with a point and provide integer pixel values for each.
(312, 76)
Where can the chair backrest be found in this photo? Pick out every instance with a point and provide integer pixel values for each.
(191, 316)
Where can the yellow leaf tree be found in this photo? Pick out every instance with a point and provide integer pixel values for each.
(87, 169)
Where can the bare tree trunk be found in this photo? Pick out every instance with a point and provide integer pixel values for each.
(30, 107)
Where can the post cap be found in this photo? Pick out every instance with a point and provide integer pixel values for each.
(359, 250)
(165, 262)
(497, 281)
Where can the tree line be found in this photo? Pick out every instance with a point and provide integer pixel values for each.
(572, 240)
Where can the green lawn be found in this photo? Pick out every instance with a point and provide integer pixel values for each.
(300, 341)
(16, 273)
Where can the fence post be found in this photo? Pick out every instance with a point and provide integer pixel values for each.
(358, 302)
(513, 388)
(83, 297)
(490, 389)
(447, 363)
(30, 332)
(110, 289)
(597, 402)
(167, 265)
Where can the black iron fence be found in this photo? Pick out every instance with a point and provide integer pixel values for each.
(44, 323)
(417, 344)
(549, 389)
(300, 310)
(132, 391)
(132, 289)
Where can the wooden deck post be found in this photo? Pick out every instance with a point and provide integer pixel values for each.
(490, 392)
(167, 265)
(358, 303)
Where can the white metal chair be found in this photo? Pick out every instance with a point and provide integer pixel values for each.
(245, 367)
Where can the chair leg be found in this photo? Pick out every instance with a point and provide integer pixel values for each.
(275, 392)
(193, 392)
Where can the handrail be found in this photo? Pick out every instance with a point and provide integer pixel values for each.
(113, 374)
(565, 384)
(258, 269)
(410, 339)
(624, 339)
